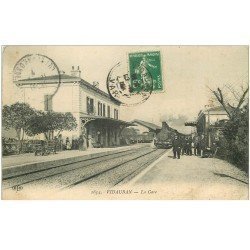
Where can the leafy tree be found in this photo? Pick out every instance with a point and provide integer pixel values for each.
(49, 122)
(65, 122)
(236, 135)
(17, 116)
(235, 143)
(128, 133)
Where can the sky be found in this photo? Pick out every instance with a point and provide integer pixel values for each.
(186, 71)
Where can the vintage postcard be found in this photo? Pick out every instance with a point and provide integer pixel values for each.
(125, 122)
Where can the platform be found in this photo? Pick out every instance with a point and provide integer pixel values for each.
(29, 162)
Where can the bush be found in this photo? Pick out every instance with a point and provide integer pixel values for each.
(234, 146)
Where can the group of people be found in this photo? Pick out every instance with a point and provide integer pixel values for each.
(188, 145)
(58, 144)
(75, 143)
(81, 143)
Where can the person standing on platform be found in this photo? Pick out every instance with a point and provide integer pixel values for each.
(196, 144)
(185, 146)
(153, 143)
(183, 142)
(189, 146)
(60, 142)
(81, 143)
(202, 145)
(68, 145)
(90, 142)
(176, 147)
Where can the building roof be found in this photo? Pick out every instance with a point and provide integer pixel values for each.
(218, 108)
(64, 78)
(46, 78)
(148, 125)
(212, 111)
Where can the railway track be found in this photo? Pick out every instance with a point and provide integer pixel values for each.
(103, 170)
(26, 178)
(120, 173)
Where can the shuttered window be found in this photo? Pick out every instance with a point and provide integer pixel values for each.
(104, 110)
(99, 108)
(90, 105)
(116, 114)
(108, 111)
(48, 103)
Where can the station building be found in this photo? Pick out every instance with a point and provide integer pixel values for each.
(97, 115)
(207, 122)
(209, 117)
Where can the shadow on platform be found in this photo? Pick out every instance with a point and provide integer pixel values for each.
(228, 176)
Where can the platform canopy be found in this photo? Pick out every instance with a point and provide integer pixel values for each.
(88, 118)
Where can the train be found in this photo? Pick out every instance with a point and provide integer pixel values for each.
(145, 137)
(162, 137)
(165, 136)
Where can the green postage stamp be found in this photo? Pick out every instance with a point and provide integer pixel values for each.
(145, 72)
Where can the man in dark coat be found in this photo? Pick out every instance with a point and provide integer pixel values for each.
(183, 145)
(176, 147)
(81, 143)
(202, 145)
(189, 145)
(196, 141)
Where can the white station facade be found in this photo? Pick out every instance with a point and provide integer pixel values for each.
(96, 113)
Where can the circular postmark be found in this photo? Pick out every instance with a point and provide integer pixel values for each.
(129, 88)
(37, 71)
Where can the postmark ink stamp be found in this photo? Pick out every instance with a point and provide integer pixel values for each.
(119, 86)
(38, 71)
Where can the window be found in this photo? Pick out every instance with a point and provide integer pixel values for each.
(108, 111)
(99, 108)
(48, 103)
(104, 110)
(115, 114)
(90, 105)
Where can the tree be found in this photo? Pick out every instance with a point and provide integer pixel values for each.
(237, 98)
(235, 130)
(49, 122)
(128, 133)
(65, 122)
(17, 116)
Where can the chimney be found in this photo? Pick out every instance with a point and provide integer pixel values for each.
(165, 126)
(76, 73)
(96, 84)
